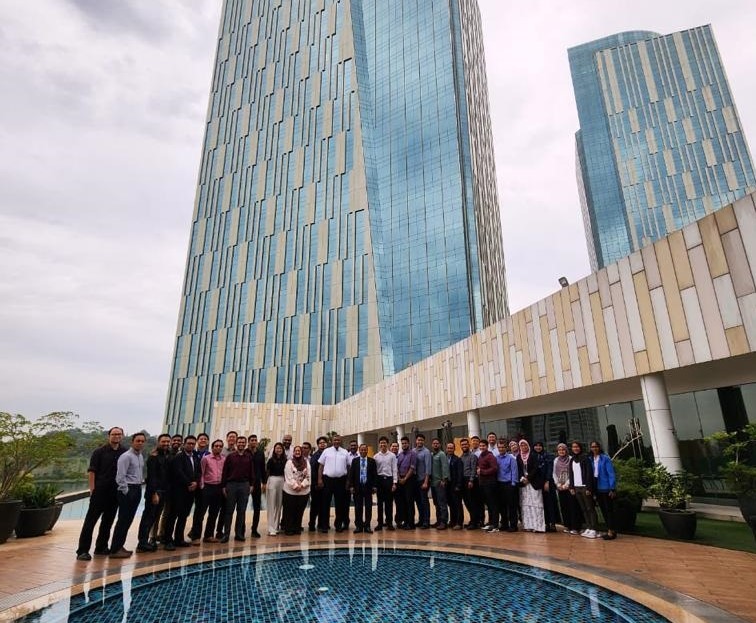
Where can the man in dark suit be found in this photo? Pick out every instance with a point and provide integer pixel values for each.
(454, 490)
(184, 475)
(363, 480)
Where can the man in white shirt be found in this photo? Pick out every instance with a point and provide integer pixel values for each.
(333, 466)
(387, 477)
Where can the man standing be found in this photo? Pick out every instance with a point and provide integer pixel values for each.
(238, 481)
(202, 449)
(508, 481)
(363, 479)
(103, 496)
(488, 470)
(176, 443)
(386, 467)
(261, 479)
(475, 445)
(406, 465)
(288, 450)
(333, 466)
(316, 493)
(230, 443)
(422, 484)
(155, 491)
(454, 489)
(203, 445)
(470, 490)
(491, 437)
(439, 482)
(129, 476)
(211, 475)
(185, 476)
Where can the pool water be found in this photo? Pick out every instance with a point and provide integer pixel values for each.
(359, 586)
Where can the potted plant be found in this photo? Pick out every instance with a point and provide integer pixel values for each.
(739, 472)
(672, 491)
(632, 486)
(37, 510)
(26, 445)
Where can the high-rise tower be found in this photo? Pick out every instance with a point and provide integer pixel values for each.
(346, 223)
(660, 144)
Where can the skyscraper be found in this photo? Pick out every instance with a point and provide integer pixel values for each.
(660, 143)
(346, 222)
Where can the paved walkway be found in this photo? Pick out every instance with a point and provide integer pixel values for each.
(680, 580)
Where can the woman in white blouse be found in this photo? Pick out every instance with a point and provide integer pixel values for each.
(296, 491)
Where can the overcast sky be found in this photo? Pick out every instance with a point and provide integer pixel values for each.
(101, 124)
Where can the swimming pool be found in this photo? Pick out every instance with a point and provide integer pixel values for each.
(355, 586)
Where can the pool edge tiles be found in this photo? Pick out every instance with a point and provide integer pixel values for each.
(530, 566)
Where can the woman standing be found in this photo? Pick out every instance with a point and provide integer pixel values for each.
(567, 502)
(531, 498)
(582, 486)
(296, 490)
(603, 472)
(274, 494)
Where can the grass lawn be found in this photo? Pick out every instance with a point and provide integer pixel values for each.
(726, 534)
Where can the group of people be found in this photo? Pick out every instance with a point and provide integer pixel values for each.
(501, 483)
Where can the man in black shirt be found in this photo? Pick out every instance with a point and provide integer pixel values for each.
(261, 478)
(156, 491)
(103, 496)
(184, 476)
(316, 494)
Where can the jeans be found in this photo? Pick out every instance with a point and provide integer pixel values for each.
(103, 505)
(127, 507)
(423, 505)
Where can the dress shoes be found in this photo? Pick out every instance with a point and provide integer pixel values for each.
(121, 553)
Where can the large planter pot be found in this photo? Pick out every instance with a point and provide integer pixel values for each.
(679, 524)
(34, 521)
(9, 510)
(747, 504)
(56, 514)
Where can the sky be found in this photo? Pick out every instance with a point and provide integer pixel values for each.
(101, 125)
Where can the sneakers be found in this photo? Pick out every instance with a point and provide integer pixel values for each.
(492, 530)
(488, 528)
(589, 534)
(573, 532)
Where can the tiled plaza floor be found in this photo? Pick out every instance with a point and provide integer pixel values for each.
(664, 575)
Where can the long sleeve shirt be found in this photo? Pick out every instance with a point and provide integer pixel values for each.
(439, 468)
(130, 470)
(211, 467)
(508, 470)
(238, 468)
(488, 467)
(469, 466)
(406, 461)
(386, 464)
(423, 467)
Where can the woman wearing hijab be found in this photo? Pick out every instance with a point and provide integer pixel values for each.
(603, 472)
(531, 498)
(567, 502)
(296, 490)
(274, 493)
(582, 486)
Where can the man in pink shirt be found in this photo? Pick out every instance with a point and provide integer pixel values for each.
(212, 491)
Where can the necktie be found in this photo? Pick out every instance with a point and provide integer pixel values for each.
(363, 471)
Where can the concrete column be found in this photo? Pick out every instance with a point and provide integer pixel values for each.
(660, 425)
(360, 438)
(399, 432)
(473, 423)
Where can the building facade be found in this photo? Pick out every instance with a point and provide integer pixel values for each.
(660, 143)
(346, 222)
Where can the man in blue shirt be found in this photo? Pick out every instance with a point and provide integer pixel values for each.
(422, 484)
(507, 484)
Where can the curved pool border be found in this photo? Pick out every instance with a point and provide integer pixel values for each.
(675, 606)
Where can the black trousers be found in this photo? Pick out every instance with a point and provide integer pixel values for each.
(472, 499)
(200, 508)
(385, 500)
(363, 506)
(550, 506)
(489, 490)
(316, 503)
(293, 508)
(213, 501)
(606, 504)
(509, 504)
(150, 515)
(405, 499)
(334, 489)
(571, 517)
(256, 496)
(454, 500)
(175, 522)
(127, 507)
(103, 506)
